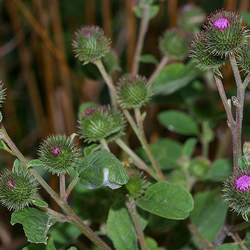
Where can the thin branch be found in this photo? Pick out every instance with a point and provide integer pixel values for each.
(158, 69)
(62, 186)
(142, 33)
(235, 71)
(137, 160)
(246, 81)
(71, 186)
(105, 144)
(134, 215)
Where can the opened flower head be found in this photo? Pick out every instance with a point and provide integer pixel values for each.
(243, 183)
(221, 23)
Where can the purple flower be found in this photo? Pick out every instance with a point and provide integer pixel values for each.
(243, 183)
(11, 183)
(221, 23)
(55, 151)
(89, 111)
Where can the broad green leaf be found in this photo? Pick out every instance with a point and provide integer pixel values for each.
(166, 151)
(40, 203)
(147, 58)
(178, 122)
(88, 150)
(102, 168)
(177, 176)
(36, 224)
(49, 246)
(64, 233)
(189, 147)
(220, 170)
(152, 244)
(229, 246)
(209, 213)
(173, 77)
(121, 229)
(167, 200)
(153, 11)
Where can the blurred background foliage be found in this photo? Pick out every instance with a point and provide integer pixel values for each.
(46, 84)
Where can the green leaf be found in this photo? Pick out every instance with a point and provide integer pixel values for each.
(121, 229)
(153, 11)
(49, 246)
(173, 77)
(220, 170)
(88, 150)
(152, 244)
(246, 17)
(178, 122)
(34, 163)
(189, 147)
(147, 58)
(166, 151)
(36, 224)
(40, 203)
(167, 200)
(102, 168)
(209, 213)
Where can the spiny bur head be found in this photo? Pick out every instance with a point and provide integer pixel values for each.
(17, 190)
(2, 94)
(191, 18)
(137, 183)
(101, 123)
(243, 58)
(133, 92)
(90, 44)
(173, 44)
(225, 33)
(58, 154)
(200, 53)
(237, 191)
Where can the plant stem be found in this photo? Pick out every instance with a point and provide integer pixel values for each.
(134, 215)
(71, 186)
(62, 186)
(142, 33)
(158, 69)
(146, 146)
(109, 82)
(246, 81)
(104, 144)
(235, 71)
(138, 161)
(60, 217)
(204, 242)
(62, 203)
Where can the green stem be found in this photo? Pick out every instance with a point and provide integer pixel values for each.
(141, 38)
(134, 215)
(71, 186)
(104, 144)
(108, 80)
(146, 146)
(62, 203)
(138, 161)
(62, 186)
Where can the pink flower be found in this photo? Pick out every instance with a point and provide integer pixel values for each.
(11, 184)
(221, 23)
(55, 151)
(243, 183)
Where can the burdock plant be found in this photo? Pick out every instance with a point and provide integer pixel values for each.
(225, 37)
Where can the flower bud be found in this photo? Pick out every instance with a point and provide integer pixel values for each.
(191, 18)
(225, 33)
(173, 44)
(17, 190)
(244, 59)
(90, 44)
(237, 191)
(58, 154)
(199, 52)
(101, 123)
(133, 92)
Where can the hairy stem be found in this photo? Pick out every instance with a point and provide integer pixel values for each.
(105, 144)
(62, 203)
(146, 146)
(109, 82)
(71, 186)
(142, 33)
(134, 215)
(137, 160)
(62, 186)
(158, 69)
